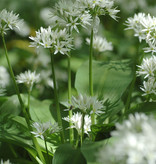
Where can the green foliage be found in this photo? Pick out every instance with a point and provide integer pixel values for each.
(67, 154)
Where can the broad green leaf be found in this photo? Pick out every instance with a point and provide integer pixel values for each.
(90, 150)
(110, 79)
(146, 107)
(67, 154)
(100, 132)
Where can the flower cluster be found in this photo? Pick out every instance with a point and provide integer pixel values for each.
(144, 28)
(57, 40)
(148, 70)
(4, 77)
(28, 78)
(134, 142)
(9, 21)
(81, 13)
(5, 162)
(43, 130)
(100, 44)
(76, 120)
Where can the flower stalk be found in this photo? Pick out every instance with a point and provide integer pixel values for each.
(21, 102)
(59, 118)
(71, 131)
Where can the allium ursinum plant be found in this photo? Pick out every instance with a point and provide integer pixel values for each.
(134, 142)
(5, 162)
(57, 41)
(144, 28)
(28, 78)
(4, 77)
(10, 21)
(148, 70)
(100, 44)
(81, 123)
(45, 130)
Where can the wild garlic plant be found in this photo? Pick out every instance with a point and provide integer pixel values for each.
(144, 28)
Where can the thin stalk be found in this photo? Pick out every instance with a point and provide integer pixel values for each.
(45, 142)
(28, 105)
(82, 128)
(21, 102)
(91, 72)
(71, 130)
(77, 141)
(59, 118)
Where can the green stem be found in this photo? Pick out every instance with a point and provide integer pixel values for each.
(71, 130)
(91, 72)
(21, 102)
(59, 119)
(47, 150)
(28, 105)
(82, 128)
(77, 141)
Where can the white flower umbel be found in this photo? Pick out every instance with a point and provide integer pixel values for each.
(149, 87)
(100, 44)
(100, 7)
(88, 104)
(9, 21)
(4, 77)
(76, 120)
(67, 13)
(144, 28)
(43, 130)
(28, 78)
(57, 40)
(5, 162)
(148, 67)
(134, 142)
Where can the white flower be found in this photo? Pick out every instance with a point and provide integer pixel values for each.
(5, 162)
(134, 142)
(148, 67)
(149, 87)
(43, 130)
(4, 77)
(28, 78)
(76, 120)
(87, 104)
(70, 14)
(9, 20)
(100, 44)
(57, 40)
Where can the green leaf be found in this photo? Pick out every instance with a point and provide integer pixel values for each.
(66, 154)
(100, 132)
(110, 79)
(90, 150)
(147, 107)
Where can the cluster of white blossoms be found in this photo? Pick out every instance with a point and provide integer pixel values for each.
(87, 104)
(28, 78)
(76, 120)
(5, 162)
(59, 41)
(148, 70)
(4, 77)
(144, 28)
(75, 14)
(43, 130)
(100, 44)
(134, 142)
(9, 21)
